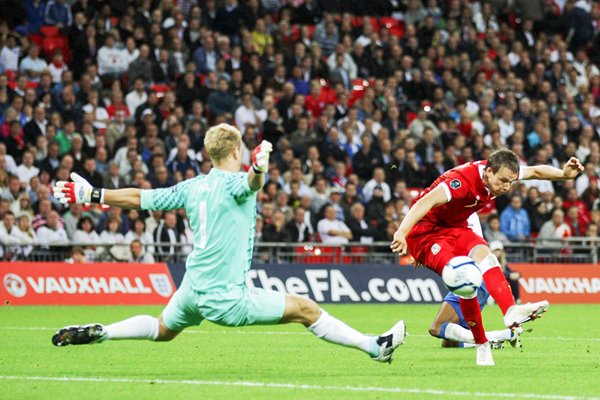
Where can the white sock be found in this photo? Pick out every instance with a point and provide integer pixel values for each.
(504, 334)
(335, 331)
(457, 333)
(138, 327)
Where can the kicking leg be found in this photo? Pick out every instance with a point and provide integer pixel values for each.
(140, 327)
(319, 322)
(497, 285)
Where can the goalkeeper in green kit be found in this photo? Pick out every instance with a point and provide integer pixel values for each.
(221, 208)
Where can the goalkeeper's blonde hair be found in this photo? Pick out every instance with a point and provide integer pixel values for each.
(220, 140)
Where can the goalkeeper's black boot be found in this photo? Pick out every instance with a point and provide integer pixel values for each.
(86, 334)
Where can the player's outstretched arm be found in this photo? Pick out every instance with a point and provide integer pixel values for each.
(571, 170)
(260, 165)
(80, 191)
(432, 199)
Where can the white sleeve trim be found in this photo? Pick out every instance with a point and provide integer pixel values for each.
(521, 172)
(446, 190)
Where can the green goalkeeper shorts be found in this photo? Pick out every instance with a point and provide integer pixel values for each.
(240, 306)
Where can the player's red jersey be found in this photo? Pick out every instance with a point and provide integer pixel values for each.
(466, 194)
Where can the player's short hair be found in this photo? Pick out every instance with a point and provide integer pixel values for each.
(503, 158)
(220, 140)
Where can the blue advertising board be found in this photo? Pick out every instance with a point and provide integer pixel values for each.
(356, 283)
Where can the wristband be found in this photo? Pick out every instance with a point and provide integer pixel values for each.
(97, 196)
(256, 170)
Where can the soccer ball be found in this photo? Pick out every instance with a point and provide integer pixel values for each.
(462, 276)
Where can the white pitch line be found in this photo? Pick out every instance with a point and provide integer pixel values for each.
(269, 385)
(198, 332)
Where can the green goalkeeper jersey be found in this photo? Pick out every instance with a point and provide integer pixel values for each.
(221, 209)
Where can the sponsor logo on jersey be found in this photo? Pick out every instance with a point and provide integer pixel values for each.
(435, 248)
(455, 184)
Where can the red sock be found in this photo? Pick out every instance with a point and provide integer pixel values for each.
(499, 289)
(472, 314)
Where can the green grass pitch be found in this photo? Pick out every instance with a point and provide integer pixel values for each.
(560, 359)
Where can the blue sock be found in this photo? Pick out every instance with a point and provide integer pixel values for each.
(443, 330)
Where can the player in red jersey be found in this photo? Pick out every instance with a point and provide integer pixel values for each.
(435, 230)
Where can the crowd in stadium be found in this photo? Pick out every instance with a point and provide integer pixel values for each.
(366, 104)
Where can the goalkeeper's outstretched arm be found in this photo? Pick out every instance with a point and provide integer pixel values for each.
(80, 191)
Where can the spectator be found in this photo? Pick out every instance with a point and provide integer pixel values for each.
(577, 222)
(99, 114)
(137, 96)
(361, 230)
(57, 67)
(52, 232)
(11, 238)
(514, 221)
(164, 69)
(27, 170)
(32, 66)
(112, 235)
(492, 231)
(10, 53)
(112, 61)
(36, 127)
(332, 230)
(85, 233)
(168, 234)
(35, 11)
(205, 57)
(378, 181)
(221, 102)
(246, 114)
(326, 35)
(297, 229)
(77, 256)
(58, 13)
(555, 228)
(139, 233)
(138, 255)
(113, 180)
(22, 206)
(71, 218)
(26, 234)
(276, 230)
(13, 190)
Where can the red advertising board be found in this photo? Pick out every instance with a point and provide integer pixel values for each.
(559, 283)
(25, 283)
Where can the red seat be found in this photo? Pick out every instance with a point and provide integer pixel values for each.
(11, 75)
(317, 255)
(49, 31)
(311, 31)
(358, 254)
(52, 44)
(37, 39)
(160, 89)
(388, 22)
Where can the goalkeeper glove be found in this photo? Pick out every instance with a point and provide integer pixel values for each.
(79, 191)
(260, 157)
